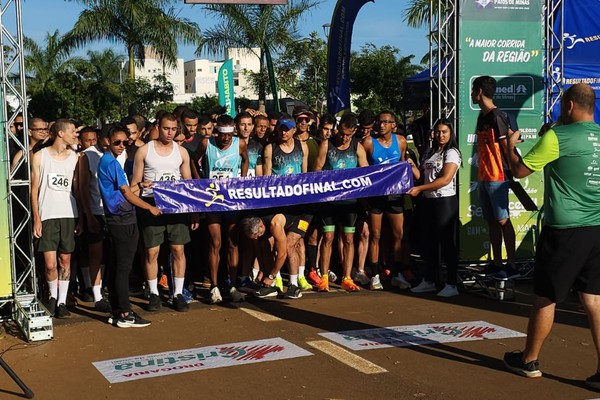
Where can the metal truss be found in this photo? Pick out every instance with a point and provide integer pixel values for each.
(12, 76)
(555, 60)
(443, 52)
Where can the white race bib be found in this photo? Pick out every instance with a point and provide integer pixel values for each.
(59, 182)
(167, 176)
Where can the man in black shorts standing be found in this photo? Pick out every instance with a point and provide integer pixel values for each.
(568, 252)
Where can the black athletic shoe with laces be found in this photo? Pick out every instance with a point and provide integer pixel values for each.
(513, 361)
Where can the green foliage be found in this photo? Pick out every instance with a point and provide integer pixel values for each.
(147, 97)
(206, 104)
(376, 76)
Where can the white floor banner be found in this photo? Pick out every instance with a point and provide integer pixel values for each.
(178, 361)
(414, 335)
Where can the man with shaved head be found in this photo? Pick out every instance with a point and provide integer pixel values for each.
(568, 251)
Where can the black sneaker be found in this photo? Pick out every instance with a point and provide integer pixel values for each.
(51, 306)
(132, 321)
(293, 292)
(154, 302)
(179, 303)
(513, 361)
(266, 291)
(103, 306)
(62, 312)
(489, 270)
(247, 286)
(87, 295)
(593, 381)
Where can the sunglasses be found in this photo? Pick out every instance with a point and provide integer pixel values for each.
(302, 119)
(120, 142)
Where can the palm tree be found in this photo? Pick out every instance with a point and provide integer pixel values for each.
(267, 27)
(416, 14)
(137, 24)
(43, 64)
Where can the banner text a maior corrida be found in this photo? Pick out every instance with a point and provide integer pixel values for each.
(214, 195)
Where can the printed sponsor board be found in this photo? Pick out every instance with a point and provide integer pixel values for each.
(415, 335)
(179, 361)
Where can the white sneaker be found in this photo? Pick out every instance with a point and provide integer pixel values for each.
(424, 287)
(376, 283)
(400, 281)
(361, 277)
(236, 296)
(215, 295)
(332, 276)
(448, 291)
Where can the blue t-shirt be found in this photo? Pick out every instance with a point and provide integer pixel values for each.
(111, 177)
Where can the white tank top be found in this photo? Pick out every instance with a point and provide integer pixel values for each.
(161, 168)
(55, 197)
(94, 155)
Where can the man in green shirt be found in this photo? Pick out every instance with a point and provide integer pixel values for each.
(568, 252)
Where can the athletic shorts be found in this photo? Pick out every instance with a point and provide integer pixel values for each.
(298, 224)
(493, 197)
(565, 259)
(57, 235)
(393, 204)
(339, 214)
(170, 227)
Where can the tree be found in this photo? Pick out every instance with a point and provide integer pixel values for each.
(137, 24)
(377, 75)
(416, 14)
(267, 27)
(147, 97)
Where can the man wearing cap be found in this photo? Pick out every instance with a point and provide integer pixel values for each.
(225, 156)
(287, 156)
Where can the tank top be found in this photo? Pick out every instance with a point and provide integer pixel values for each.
(94, 155)
(55, 197)
(385, 155)
(341, 159)
(223, 163)
(287, 163)
(254, 156)
(161, 168)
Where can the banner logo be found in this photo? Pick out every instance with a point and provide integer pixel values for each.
(483, 3)
(213, 190)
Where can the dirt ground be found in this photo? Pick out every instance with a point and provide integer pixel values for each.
(62, 368)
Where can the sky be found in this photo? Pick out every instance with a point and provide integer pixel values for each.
(379, 22)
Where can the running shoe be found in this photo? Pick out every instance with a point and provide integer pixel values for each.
(324, 285)
(132, 320)
(154, 302)
(236, 296)
(206, 283)
(490, 269)
(215, 295)
(248, 286)
(87, 295)
(513, 361)
(314, 278)
(103, 306)
(179, 303)
(593, 381)
(266, 291)
(361, 277)
(400, 281)
(332, 276)
(278, 283)
(51, 306)
(349, 285)
(304, 285)
(376, 283)
(163, 282)
(293, 292)
(424, 287)
(62, 312)
(448, 291)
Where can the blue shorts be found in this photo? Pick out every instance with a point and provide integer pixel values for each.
(493, 197)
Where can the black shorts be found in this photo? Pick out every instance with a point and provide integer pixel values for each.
(565, 259)
(298, 224)
(339, 214)
(393, 204)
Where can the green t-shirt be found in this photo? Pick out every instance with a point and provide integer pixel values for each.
(570, 158)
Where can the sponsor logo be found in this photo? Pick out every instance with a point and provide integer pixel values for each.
(483, 3)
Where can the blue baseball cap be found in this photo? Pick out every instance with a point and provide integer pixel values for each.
(288, 124)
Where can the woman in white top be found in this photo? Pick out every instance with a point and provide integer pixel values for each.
(440, 208)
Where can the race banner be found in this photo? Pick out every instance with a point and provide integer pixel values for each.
(216, 195)
(201, 358)
(225, 84)
(416, 335)
(503, 39)
(338, 55)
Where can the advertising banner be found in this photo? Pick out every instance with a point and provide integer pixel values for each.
(5, 254)
(503, 39)
(225, 85)
(338, 55)
(211, 195)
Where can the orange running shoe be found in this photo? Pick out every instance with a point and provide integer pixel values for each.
(324, 285)
(349, 286)
(162, 282)
(314, 278)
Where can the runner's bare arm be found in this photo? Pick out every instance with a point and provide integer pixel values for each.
(184, 168)
(244, 156)
(362, 156)
(267, 160)
(36, 161)
(280, 245)
(138, 165)
(304, 157)
(402, 146)
(322, 157)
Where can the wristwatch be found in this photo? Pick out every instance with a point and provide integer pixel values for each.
(271, 277)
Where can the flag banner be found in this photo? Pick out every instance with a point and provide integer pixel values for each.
(216, 195)
(338, 55)
(416, 335)
(225, 84)
(201, 358)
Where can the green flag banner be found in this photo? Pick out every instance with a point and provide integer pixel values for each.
(225, 84)
(503, 39)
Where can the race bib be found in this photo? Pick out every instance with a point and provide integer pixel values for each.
(220, 174)
(59, 182)
(167, 176)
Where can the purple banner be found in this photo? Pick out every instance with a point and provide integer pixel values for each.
(212, 195)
